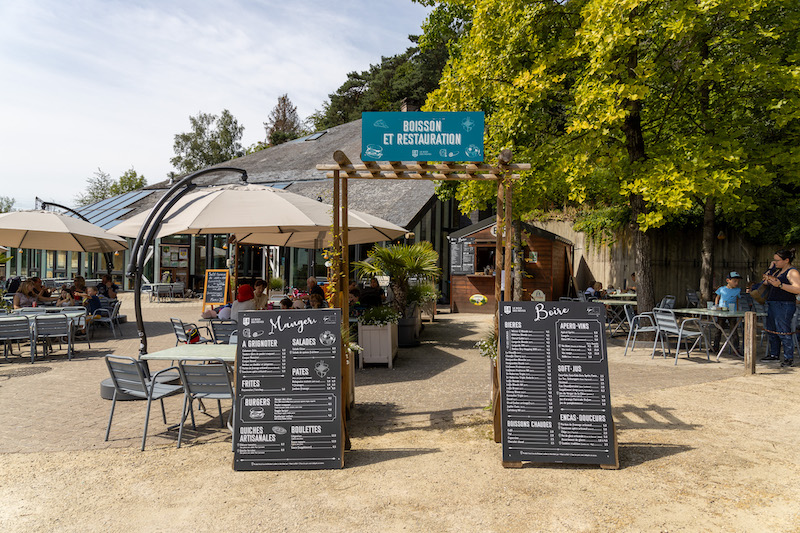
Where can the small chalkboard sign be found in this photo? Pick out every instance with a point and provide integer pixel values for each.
(462, 256)
(288, 391)
(556, 402)
(215, 289)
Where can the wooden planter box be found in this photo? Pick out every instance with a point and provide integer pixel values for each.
(379, 344)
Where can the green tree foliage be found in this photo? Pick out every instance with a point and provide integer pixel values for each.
(6, 204)
(101, 186)
(666, 106)
(283, 123)
(212, 140)
(410, 76)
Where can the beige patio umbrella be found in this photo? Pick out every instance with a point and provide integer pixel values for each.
(47, 230)
(257, 214)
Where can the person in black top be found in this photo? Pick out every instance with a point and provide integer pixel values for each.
(107, 288)
(313, 288)
(374, 295)
(784, 281)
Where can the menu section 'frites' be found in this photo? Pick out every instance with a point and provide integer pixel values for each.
(556, 404)
(288, 390)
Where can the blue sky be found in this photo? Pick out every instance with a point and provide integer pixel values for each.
(90, 83)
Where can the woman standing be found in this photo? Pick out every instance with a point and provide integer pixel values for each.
(781, 304)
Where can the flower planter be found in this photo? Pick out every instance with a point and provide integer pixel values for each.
(379, 344)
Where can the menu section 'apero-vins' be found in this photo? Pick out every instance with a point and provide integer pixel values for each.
(556, 404)
(288, 390)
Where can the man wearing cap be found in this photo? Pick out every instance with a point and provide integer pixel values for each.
(727, 296)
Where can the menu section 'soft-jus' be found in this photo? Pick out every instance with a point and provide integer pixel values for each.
(556, 404)
(288, 390)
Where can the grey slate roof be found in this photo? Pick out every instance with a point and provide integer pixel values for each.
(399, 201)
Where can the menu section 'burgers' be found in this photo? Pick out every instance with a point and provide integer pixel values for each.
(556, 404)
(288, 390)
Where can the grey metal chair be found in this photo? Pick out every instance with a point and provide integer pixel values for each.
(667, 302)
(128, 377)
(691, 298)
(667, 325)
(48, 328)
(636, 324)
(222, 330)
(13, 329)
(182, 331)
(207, 380)
(107, 317)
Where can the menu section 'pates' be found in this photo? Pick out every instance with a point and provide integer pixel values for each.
(288, 390)
(556, 404)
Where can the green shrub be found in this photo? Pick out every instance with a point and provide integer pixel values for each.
(379, 316)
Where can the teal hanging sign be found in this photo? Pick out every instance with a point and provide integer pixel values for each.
(422, 136)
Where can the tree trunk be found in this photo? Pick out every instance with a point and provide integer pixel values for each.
(707, 254)
(519, 261)
(634, 143)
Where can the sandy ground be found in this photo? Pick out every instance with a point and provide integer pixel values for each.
(702, 448)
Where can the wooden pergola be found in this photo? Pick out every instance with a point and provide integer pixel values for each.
(503, 174)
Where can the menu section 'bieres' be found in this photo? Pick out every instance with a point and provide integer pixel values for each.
(288, 390)
(555, 398)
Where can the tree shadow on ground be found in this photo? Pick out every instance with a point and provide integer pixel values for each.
(411, 364)
(365, 457)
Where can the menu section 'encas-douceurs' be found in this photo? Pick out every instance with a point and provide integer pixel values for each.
(288, 390)
(556, 403)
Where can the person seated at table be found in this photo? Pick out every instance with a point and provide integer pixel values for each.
(260, 296)
(313, 288)
(244, 301)
(25, 295)
(374, 295)
(107, 288)
(727, 297)
(65, 299)
(92, 301)
(79, 287)
(286, 303)
(316, 301)
(40, 289)
(354, 297)
(632, 284)
(595, 290)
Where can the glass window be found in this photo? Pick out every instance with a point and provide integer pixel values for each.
(220, 254)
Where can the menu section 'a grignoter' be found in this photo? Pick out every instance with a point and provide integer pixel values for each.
(288, 390)
(556, 404)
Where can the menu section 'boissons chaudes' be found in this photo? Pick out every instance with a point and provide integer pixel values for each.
(288, 390)
(554, 372)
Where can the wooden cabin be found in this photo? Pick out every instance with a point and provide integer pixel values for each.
(547, 262)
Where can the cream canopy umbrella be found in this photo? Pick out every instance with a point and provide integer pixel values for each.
(257, 214)
(47, 230)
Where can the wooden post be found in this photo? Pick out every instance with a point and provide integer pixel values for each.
(507, 235)
(749, 343)
(498, 269)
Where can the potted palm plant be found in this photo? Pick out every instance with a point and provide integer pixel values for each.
(402, 262)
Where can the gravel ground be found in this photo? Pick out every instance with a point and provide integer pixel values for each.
(702, 448)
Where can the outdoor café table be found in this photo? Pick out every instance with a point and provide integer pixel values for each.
(715, 315)
(616, 313)
(622, 295)
(194, 352)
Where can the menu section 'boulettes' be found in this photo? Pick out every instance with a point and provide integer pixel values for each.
(288, 390)
(555, 398)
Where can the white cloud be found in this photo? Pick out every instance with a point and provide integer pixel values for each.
(107, 84)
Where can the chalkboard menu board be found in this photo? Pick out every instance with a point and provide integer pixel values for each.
(556, 403)
(462, 256)
(215, 290)
(288, 390)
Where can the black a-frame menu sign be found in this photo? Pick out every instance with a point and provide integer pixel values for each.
(556, 403)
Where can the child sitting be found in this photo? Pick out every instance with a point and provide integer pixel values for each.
(727, 296)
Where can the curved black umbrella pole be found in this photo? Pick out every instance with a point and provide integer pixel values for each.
(147, 234)
(109, 255)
